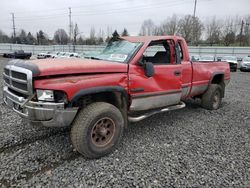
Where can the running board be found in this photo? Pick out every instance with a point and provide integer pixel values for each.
(170, 108)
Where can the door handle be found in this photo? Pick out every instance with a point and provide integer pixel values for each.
(177, 73)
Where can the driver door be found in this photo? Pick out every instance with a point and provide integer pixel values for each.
(164, 87)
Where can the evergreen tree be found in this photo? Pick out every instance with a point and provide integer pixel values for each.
(125, 32)
(30, 39)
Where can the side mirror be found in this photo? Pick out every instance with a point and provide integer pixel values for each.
(149, 69)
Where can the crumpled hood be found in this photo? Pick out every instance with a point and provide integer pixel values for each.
(48, 67)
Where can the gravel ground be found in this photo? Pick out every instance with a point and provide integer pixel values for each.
(191, 147)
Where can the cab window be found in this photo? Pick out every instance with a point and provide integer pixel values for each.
(158, 52)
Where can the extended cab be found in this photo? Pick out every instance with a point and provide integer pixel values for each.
(131, 79)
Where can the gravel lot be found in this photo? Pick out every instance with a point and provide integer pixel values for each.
(191, 147)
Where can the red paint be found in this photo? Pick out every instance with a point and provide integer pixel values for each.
(94, 73)
(77, 65)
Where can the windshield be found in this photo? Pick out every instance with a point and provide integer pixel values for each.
(207, 58)
(229, 58)
(119, 51)
(246, 59)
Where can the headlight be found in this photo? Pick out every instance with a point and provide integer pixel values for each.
(45, 95)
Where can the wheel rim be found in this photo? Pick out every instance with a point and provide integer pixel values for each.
(216, 99)
(103, 132)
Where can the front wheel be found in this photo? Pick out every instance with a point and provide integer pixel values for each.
(97, 129)
(212, 98)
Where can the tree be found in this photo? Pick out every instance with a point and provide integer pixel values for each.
(115, 34)
(75, 34)
(247, 30)
(100, 40)
(80, 41)
(42, 38)
(125, 32)
(147, 28)
(4, 38)
(92, 38)
(185, 27)
(61, 37)
(30, 39)
(22, 37)
(197, 30)
(169, 26)
(229, 30)
(229, 38)
(213, 29)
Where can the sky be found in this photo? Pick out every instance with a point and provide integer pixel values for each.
(49, 15)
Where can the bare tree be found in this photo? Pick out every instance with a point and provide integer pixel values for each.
(229, 30)
(185, 27)
(61, 36)
(147, 28)
(247, 29)
(92, 33)
(197, 30)
(213, 30)
(170, 25)
(75, 33)
(4, 38)
(92, 37)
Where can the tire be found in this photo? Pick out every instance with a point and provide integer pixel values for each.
(212, 98)
(97, 130)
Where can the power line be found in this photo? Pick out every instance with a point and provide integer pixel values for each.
(98, 4)
(110, 11)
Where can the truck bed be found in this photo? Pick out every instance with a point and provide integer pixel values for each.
(204, 71)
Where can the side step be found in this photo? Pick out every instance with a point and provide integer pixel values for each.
(146, 115)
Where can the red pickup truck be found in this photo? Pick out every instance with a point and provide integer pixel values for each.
(131, 79)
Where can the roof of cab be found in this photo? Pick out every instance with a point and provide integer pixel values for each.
(149, 38)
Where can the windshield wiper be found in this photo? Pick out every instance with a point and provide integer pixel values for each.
(91, 57)
(94, 58)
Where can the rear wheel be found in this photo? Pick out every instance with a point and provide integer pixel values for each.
(97, 129)
(212, 98)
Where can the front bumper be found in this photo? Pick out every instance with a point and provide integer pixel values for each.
(233, 66)
(48, 113)
(245, 68)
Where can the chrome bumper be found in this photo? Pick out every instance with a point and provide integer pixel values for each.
(48, 113)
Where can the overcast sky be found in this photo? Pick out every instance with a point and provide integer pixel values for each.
(49, 15)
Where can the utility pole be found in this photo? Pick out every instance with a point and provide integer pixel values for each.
(193, 30)
(195, 2)
(241, 31)
(70, 24)
(14, 27)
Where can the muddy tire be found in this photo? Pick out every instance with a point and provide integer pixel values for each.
(212, 98)
(97, 130)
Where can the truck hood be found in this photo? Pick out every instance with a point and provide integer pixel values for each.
(48, 67)
(231, 61)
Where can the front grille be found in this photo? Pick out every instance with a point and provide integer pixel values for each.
(18, 79)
